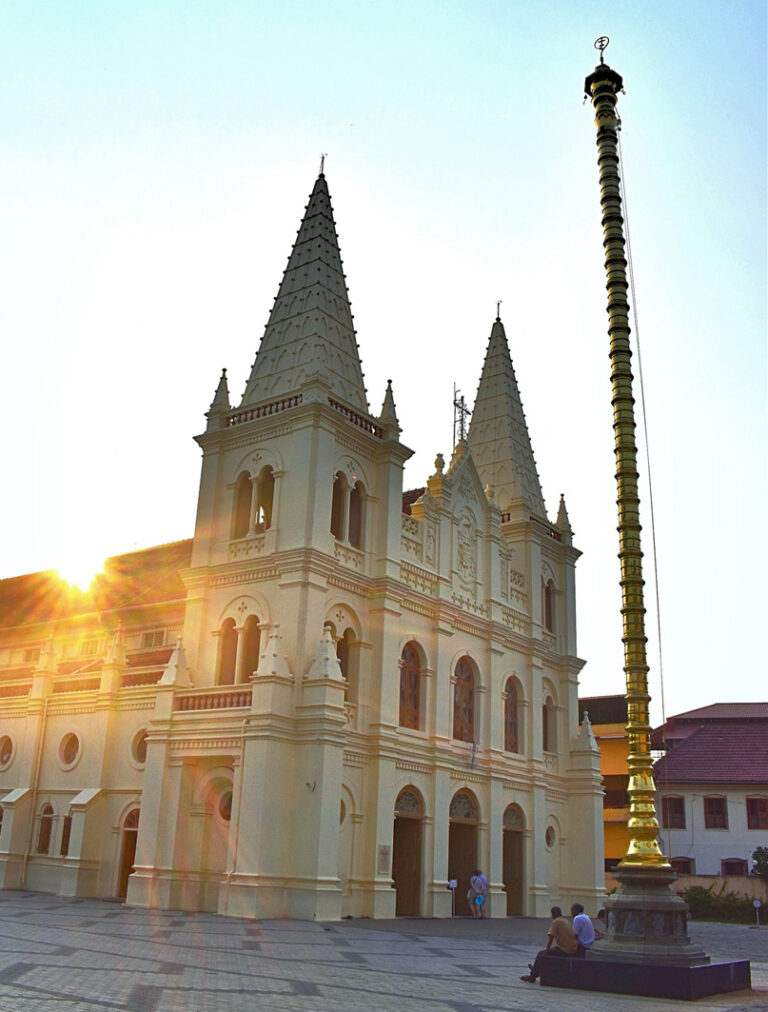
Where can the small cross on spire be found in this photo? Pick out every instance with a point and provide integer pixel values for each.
(323, 156)
(498, 309)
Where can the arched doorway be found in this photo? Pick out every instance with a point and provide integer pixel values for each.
(513, 866)
(127, 850)
(406, 852)
(462, 844)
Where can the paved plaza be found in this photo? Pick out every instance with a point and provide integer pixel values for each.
(71, 955)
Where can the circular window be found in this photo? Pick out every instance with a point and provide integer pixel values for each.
(139, 747)
(225, 806)
(6, 751)
(550, 837)
(69, 749)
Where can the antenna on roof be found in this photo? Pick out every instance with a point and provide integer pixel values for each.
(460, 412)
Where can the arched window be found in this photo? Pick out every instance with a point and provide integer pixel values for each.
(410, 687)
(511, 718)
(345, 653)
(227, 652)
(46, 828)
(66, 832)
(132, 819)
(464, 701)
(266, 495)
(338, 503)
(356, 516)
(548, 726)
(241, 521)
(549, 606)
(251, 648)
(348, 511)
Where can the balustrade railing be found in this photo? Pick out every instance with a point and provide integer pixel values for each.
(217, 700)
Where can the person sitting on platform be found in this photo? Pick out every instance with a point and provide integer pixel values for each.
(582, 928)
(561, 941)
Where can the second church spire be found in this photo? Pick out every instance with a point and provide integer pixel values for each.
(498, 434)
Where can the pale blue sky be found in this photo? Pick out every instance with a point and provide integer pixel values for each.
(157, 159)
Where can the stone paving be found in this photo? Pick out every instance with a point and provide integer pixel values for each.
(72, 955)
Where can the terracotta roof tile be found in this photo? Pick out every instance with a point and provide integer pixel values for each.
(726, 711)
(410, 497)
(719, 753)
(148, 576)
(604, 709)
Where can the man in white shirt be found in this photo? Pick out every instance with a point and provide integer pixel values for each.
(582, 928)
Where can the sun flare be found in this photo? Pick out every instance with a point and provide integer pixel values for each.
(81, 571)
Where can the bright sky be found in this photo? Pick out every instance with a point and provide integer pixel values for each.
(157, 159)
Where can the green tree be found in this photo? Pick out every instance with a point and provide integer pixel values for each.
(760, 863)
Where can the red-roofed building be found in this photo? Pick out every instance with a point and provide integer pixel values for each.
(713, 787)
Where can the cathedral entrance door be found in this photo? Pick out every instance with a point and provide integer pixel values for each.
(127, 851)
(512, 858)
(462, 845)
(406, 853)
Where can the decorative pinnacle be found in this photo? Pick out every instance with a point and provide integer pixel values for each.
(602, 45)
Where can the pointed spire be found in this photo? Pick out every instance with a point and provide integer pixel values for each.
(310, 334)
(176, 670)
(219, 405)
(47, 660)
(562, 516)
(388, 416)
(498, 434)
(116, 649)
(585, 739)
(326, 662)
(273, 660)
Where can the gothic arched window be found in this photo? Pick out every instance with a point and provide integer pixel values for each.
(356, 516)
(410, 687)
(464, 701)
(347, 658)
(227, 652)
(338, 503)
(241, 521)
(46, 828)
(549, 606)
(266, 495)
(251, 648)
(511, 718)
(548, 726)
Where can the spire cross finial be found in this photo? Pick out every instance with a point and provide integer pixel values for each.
(602, 45)
(498, 309)
(323, 156)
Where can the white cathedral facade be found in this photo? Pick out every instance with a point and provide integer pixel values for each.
(338, 696)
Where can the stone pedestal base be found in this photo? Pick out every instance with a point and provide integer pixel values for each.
(656, 980)
(646, 922)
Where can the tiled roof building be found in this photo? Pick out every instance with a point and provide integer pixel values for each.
(713, 786)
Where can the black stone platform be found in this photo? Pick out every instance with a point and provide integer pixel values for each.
(651, 980)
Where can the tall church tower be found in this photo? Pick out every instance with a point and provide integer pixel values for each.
(373, 693)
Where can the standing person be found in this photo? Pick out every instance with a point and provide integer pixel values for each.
(476, 894)
(561, 941)
(582, 928)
